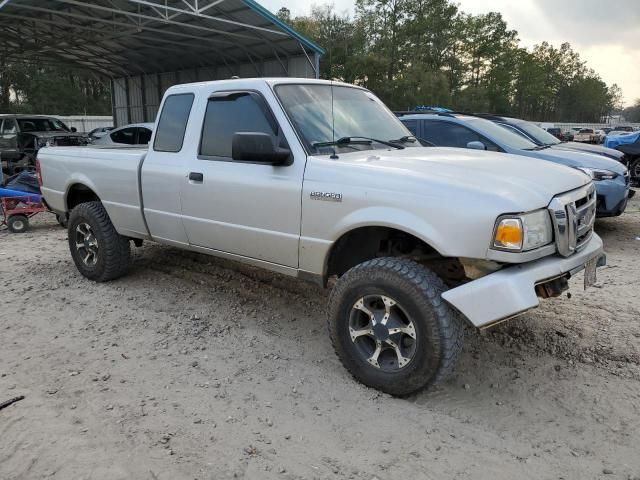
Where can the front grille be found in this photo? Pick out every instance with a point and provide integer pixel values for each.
(573, 215)
(69, 141)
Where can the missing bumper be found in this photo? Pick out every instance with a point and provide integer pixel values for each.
(553, 288)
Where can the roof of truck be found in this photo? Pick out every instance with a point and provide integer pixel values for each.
(268, 80)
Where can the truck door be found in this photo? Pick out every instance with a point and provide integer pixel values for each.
(244, 208)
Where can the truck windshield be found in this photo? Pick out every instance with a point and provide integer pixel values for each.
(41, 125)
(321, 117)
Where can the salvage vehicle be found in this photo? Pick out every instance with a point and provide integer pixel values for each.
(21, 136)
(629, 145)
(320, 181)
(585, 135)
(559, 134)
(611, 178)
(545, 138)
(134, 134)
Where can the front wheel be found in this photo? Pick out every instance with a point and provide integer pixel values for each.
(390, 327)
(98, 250)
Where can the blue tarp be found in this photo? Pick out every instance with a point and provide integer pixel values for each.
(612, 141)
(6, 192)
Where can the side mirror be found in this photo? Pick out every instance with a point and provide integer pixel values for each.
(258, 147)
(476, 145)
(74, 129)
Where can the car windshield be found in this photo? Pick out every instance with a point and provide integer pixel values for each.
(500, 135)
(42, 125)
(323, 113)
(538, 134)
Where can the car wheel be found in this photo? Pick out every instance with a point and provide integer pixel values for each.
(634, 169)
(62, 220)
(390, 327)
(98, 250)
(18, 223)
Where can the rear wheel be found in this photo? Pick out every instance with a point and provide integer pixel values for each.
(18, 223)
(390, 327)
(98, 250)
(62, 220)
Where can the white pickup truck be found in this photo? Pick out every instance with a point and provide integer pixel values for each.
(319, 180)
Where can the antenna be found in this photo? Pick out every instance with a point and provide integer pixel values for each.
(333, 156)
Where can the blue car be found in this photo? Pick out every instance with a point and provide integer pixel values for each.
(610, 177)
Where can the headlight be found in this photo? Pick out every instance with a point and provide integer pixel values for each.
(44, 142)
(598, 174)
(523, 232)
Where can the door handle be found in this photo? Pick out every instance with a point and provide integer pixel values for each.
(196, 176)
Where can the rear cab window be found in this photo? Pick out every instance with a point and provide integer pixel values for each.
(173, 123)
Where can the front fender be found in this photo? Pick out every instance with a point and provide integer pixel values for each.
(315, 250)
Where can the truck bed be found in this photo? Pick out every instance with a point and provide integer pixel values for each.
(112, 173)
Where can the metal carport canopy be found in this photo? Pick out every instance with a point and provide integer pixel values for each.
(146, 46)
(120, 38)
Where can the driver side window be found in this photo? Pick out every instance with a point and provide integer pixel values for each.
(8, 127)
(230, 113)
(126, 136)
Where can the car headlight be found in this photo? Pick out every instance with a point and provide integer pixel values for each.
(519, 233)
(44, 142)
(598, 174)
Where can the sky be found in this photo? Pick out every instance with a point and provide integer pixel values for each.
(605, 34)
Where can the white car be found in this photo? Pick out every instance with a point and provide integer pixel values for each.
(134, 134)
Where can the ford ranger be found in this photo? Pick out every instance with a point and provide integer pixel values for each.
(319, 180)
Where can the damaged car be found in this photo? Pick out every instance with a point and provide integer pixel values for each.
(21, 136)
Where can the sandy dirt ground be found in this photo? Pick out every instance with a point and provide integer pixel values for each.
(195, 368)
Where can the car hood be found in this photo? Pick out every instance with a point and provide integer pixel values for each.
(572, 158)
(522, 183)
(585, 147)
(54, 134)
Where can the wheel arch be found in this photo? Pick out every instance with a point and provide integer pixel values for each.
(78, 192)
(365, 242)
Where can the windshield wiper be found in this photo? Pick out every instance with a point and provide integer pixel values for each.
(356, 140)
(539, 147)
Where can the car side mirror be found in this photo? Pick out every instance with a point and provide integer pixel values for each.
(258, 147)
(74, 129)
(476, 145)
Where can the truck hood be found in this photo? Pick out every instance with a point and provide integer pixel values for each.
(575, 159)
(522, 183)
(586, 147)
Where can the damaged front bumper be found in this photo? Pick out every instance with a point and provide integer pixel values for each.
(512, 290)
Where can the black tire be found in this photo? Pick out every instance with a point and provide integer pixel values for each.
(113, 253)
(439, 330)
(634, 170)
(18, 223)
(62, 220)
